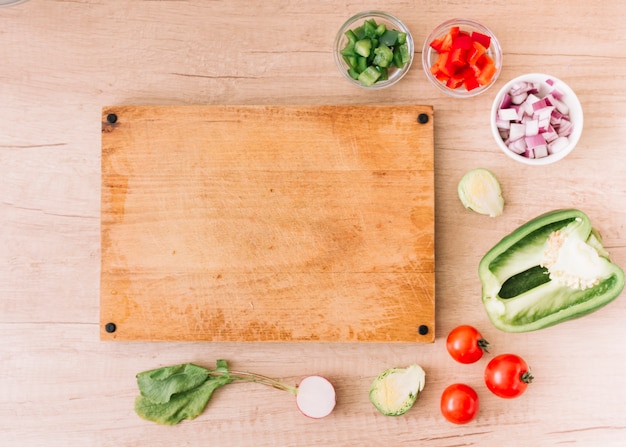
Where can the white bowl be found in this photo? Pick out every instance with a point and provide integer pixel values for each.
(569, 98)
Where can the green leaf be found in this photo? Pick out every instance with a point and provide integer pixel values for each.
(221, 366)
(185, 405)
(159, 385)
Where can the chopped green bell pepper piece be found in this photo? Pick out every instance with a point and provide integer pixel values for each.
(361, 64)
(369, 76)
(389, 38)
(369, 27)
(384, 73)
(549, 270)
(352, 38)
(359, 32)
(354, 74)
(348, 50)
(351, 61)
(363, 47)
(383, 56)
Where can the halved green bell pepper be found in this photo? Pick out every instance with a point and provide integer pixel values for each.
(549, 270)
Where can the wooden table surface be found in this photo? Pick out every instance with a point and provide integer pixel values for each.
(63, 61)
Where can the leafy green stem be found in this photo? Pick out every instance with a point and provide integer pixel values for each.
(256, 378)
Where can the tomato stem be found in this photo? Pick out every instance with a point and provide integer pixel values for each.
(527, 377)
(484, 345)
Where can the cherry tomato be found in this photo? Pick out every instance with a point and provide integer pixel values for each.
(466, 345)
(459, 403)
(507, 375)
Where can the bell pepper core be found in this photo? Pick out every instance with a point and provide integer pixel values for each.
(549, 270)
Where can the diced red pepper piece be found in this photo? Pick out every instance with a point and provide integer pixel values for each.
(444, 65)
(458, 57)
(442, 44)
(481, 38)
(437, 44)
(471, 83)
(475, 53)
(454, 82)
(441, 76)
(483, 60)
(462, 41)
(487, 71)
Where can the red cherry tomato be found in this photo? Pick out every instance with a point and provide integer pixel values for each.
(507, 375)
(459, 403)
(465, 344)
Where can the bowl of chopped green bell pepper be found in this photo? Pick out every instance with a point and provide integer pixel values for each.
(373, 50)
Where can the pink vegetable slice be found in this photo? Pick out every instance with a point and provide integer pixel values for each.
(315, 397)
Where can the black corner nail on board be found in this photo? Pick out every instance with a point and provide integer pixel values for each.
(422, 118)
(110, 327)
(423, 329)
(112, 118)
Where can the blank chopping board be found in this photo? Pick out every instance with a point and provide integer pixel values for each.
(268, 223)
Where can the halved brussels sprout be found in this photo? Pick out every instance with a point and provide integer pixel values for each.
(395, 390)
(480, 191)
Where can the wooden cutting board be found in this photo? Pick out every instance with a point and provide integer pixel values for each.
(268, 223)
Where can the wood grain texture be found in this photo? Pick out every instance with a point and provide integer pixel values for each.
(268, 223)
(64, 60)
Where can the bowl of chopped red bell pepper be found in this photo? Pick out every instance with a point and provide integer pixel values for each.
(536, 119)
(373, 50)
(462, 58)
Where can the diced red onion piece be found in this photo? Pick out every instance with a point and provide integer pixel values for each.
(565, 128)
(517, 131)
(531, 128)
(518, 99)
(506, 102)
(550, 134)
(519, 88)
(518, 146)
(541, 151)
(509, 114)
(560, 105)
(503, 124)
(558, 145)
(535, 140)
(528, 104)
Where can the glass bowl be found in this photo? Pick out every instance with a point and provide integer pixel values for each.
(4, 3)
(544, 84)
(391, 23)
(430, 56)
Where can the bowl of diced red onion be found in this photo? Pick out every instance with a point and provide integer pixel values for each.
(536, 119)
